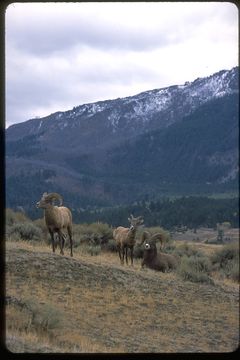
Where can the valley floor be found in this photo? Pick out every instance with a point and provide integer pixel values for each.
(92, 304)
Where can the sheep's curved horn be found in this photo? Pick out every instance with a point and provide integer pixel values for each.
(55, 196)
(145, 235)
(157, 237)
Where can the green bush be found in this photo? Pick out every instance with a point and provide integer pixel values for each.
(226, 261)
(157, 229)
(44, 317)
(92, 250)
(234, 271)
(95, 233)
(227, 253)
(110, 246)
(187, 250)
(24, 231)
(195, 269)
(13, 217)
(40, 223)
(170, 247)
(138, 251)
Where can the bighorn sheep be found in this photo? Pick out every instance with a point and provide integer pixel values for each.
(57, 219)
(157, 260)
(125, 238)
(157, 236)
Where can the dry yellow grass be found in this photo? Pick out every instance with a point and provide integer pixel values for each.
(101, 306)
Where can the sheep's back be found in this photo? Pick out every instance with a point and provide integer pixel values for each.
(169, 260)
(58, 217)
(66, 216)
(120, 234)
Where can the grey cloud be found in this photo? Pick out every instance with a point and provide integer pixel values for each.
(53, 33)
(59, 60)
(48, 31)
(60, 38)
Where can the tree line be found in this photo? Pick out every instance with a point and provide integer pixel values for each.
(191, 212)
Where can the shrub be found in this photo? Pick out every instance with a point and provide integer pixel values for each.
(170, 247)
(92, 250)
(13, 217)
(24, 231)
(110, 246)
(226, 261)
(47, 318)
(95, 233)
(234, 271)
(138, 251)
(195, 269)
(158, 229)
(186, 250)
(226, 253)
(43, 317)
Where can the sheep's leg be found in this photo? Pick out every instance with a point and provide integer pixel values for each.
(123, 252)
(70, 238)
(61, 242)
(52, 240)
(119, 253)
(126, 255)
(131, 254)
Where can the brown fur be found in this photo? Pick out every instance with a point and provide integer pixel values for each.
(57, 218)
(158, 260)
(125, 238)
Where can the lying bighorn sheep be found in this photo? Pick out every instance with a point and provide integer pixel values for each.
(157, 261)
(125, 238)
(57, 219)
(158, 237)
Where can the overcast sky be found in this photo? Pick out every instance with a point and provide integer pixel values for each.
(61, 55)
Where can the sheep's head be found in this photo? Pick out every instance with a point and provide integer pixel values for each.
(135, 222)
(150, 247)
(48, 199)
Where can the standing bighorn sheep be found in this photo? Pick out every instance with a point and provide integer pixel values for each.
(125, 238)
(157, 260)
(57, 219)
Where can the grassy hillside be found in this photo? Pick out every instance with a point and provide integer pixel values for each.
(92, 304)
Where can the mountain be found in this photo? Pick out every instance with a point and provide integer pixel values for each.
(176, 140)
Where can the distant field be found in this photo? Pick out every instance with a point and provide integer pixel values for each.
(92, 304)
(204, 234)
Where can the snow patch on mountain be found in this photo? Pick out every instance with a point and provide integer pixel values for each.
(156, 108)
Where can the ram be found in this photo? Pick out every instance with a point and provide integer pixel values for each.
(57, 218)
(125, 238)
(157, 236)
(157, 260)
